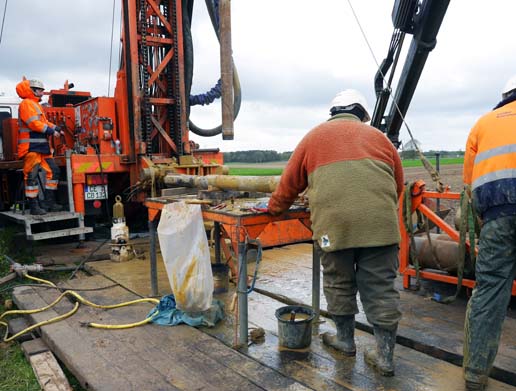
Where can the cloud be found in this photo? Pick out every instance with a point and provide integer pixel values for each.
(293, 56)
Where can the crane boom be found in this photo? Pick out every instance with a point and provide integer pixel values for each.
(422, 19)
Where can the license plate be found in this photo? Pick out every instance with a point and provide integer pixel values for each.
(95, 192)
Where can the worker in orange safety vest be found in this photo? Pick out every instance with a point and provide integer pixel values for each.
(490, 171)
(34, 148)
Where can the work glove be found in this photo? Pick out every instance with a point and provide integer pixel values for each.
(57, 131)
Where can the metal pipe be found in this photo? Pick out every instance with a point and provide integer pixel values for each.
(153, 264)
(226, 69)
(265, 184)
(440, 254)
(316, 282)
(71, 203)
(242, 294)
(217, 242)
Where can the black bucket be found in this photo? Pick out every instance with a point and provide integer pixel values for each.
(295, 326)
(220, 278)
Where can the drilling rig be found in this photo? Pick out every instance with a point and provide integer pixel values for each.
(109, 141)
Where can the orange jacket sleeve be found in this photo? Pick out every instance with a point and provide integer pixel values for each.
(28, 113)
(470, 154)
(293, 181)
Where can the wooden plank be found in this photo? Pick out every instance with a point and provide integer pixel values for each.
(190, 347)
(49, 374)
(136, 275)
(150, 357)
(72, 345)
(322, 368)
(433, 328)
(34, 346)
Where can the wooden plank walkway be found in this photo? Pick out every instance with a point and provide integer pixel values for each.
(433, 328)
(287, 271)
(183, 358)
(430, 327)
(144, 358)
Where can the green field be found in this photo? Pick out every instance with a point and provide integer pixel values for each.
(255, 171)
(264, 169)
(442, 161)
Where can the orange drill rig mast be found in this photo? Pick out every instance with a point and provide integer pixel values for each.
(109, 141)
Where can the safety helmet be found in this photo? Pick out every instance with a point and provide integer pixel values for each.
(347, 99)
(509, 86)
(36, 84)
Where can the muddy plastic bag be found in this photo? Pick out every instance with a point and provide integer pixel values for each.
(185, 251)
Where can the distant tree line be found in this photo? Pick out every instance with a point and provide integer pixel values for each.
(256, 156)
(412, 154)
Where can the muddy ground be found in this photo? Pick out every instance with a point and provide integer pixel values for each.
(451, 175)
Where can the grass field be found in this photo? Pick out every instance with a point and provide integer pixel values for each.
(276, 168)
(259, 171)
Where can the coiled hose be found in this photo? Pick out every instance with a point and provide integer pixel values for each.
(79, 300)
(212, 6)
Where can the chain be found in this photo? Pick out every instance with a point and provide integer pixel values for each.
(176, 131)
(144, 79)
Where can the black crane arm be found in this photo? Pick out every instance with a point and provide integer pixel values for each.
(422, 19)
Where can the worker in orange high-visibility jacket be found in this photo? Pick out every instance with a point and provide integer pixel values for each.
(34, 149)
(490, 170)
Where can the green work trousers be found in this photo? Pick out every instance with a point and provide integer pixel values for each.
(371, 271)
(494, 273)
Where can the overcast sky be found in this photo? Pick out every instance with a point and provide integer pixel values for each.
(292, 56)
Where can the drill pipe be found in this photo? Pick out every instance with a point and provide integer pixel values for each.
(446, 252)
(262, 184)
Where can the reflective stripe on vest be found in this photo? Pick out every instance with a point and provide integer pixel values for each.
(494, 176)
(32, 140)
(504, 149)
(33, 118)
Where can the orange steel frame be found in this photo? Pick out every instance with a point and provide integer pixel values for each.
(406, 269)
(290, 227)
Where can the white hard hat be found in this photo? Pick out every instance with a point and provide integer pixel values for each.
(36, 84)
(348, 98)
(509, 86)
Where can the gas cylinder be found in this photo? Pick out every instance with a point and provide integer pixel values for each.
(119, 231)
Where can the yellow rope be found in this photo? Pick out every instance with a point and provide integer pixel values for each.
(80, 299)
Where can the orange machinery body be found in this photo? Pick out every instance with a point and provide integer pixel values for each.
(418, 196)
(146, 122)
(93, 128)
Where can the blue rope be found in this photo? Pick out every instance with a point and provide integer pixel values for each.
(216, 91)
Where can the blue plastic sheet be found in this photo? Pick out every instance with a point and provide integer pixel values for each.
(169, 315)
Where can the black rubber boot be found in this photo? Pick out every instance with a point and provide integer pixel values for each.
(381, 358)
(50, 202)
(474, 386)
(34, 207)
(344, 341)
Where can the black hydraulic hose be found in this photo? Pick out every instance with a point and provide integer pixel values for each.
(188, 54)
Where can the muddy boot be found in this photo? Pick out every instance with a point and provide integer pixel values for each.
(34, 207)
(381, 358)
(344, 340)
(50, 202)
(474, 386)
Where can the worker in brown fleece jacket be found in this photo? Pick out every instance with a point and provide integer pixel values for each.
(354, 178)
